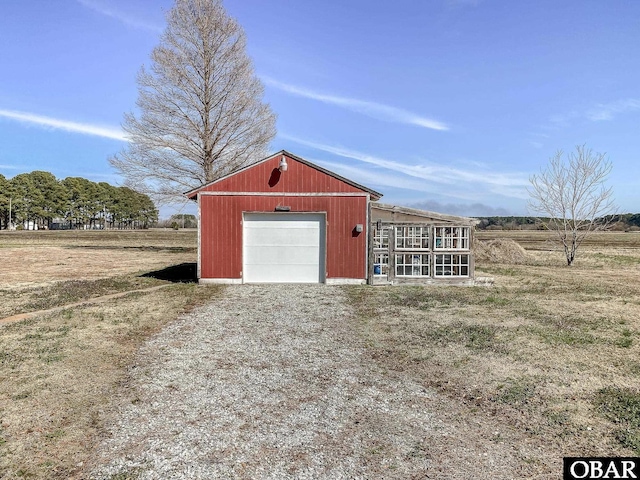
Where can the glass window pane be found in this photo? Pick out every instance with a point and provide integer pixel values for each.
(452, 265)
(412, 238)
(452, 238)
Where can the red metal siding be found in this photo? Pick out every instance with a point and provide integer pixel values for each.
(221, 229)
(265, 177)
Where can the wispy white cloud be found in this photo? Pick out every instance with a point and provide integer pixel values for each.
(66, 125)
(464, 181)
(382, 178)
(9, 167)
(374, 177)
(597, 113)
(606, 111)
(127, 19)
(375, 110)
(474, 209)
(563, 119)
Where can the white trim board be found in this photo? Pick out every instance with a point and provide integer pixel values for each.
(218, 281)
(346, 281)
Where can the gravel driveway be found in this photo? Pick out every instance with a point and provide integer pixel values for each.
(271, 382)
(266, 382)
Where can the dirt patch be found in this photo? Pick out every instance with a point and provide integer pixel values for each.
(35, 266)
(41, 270)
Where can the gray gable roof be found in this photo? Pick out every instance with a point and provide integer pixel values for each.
(453, 219)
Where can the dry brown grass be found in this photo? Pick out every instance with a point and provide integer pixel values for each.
(60, 373)
(545, 240)
(35, 259)
(499, 250)
(546, 361)
(551, 353)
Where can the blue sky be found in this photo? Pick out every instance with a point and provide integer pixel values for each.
(449, 105)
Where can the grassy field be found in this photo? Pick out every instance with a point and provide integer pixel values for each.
(61, 373)
(547, 359)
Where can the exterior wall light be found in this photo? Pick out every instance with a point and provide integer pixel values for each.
(283, 164)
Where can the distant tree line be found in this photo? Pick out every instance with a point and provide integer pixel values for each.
(180, 220)
(40, 199)
(621, 222)
(510, 223)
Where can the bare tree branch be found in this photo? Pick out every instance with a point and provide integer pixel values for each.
(574, 197)
(201, 114)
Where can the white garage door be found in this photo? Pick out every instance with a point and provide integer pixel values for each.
(283, 248)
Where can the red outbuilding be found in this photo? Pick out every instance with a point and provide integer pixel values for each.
(283, 220)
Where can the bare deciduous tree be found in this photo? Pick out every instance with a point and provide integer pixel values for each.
(201, 113)
(574, 196)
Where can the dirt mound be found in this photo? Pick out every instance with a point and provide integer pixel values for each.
(500, 251)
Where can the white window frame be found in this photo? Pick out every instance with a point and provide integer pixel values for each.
(381, 251)
(412, 235)
(379, 260)
(451, 265)
(451, 238)
(423, 262)
(381, 238)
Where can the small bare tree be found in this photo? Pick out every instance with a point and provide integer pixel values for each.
(574, 197)
(201, 114)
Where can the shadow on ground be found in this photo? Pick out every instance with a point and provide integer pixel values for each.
(182, 273)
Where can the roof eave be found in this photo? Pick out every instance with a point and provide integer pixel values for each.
(425, 213)
(374, 195)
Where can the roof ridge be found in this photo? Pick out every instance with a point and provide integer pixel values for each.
(373, 193)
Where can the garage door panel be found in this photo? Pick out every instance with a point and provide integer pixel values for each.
(267, 274)
(283, 248)
(294, 222)
(276, 255)
(282, 236)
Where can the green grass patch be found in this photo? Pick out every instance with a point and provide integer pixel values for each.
(517, 391)
(617, 259)
(55, 435)
(21, 396)
(427, 298)
(625, 340)
(634, 368)
(506, 271)
(622, 407)
(130, 474)
(496, 301)
(475, 337)
(557, 336)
